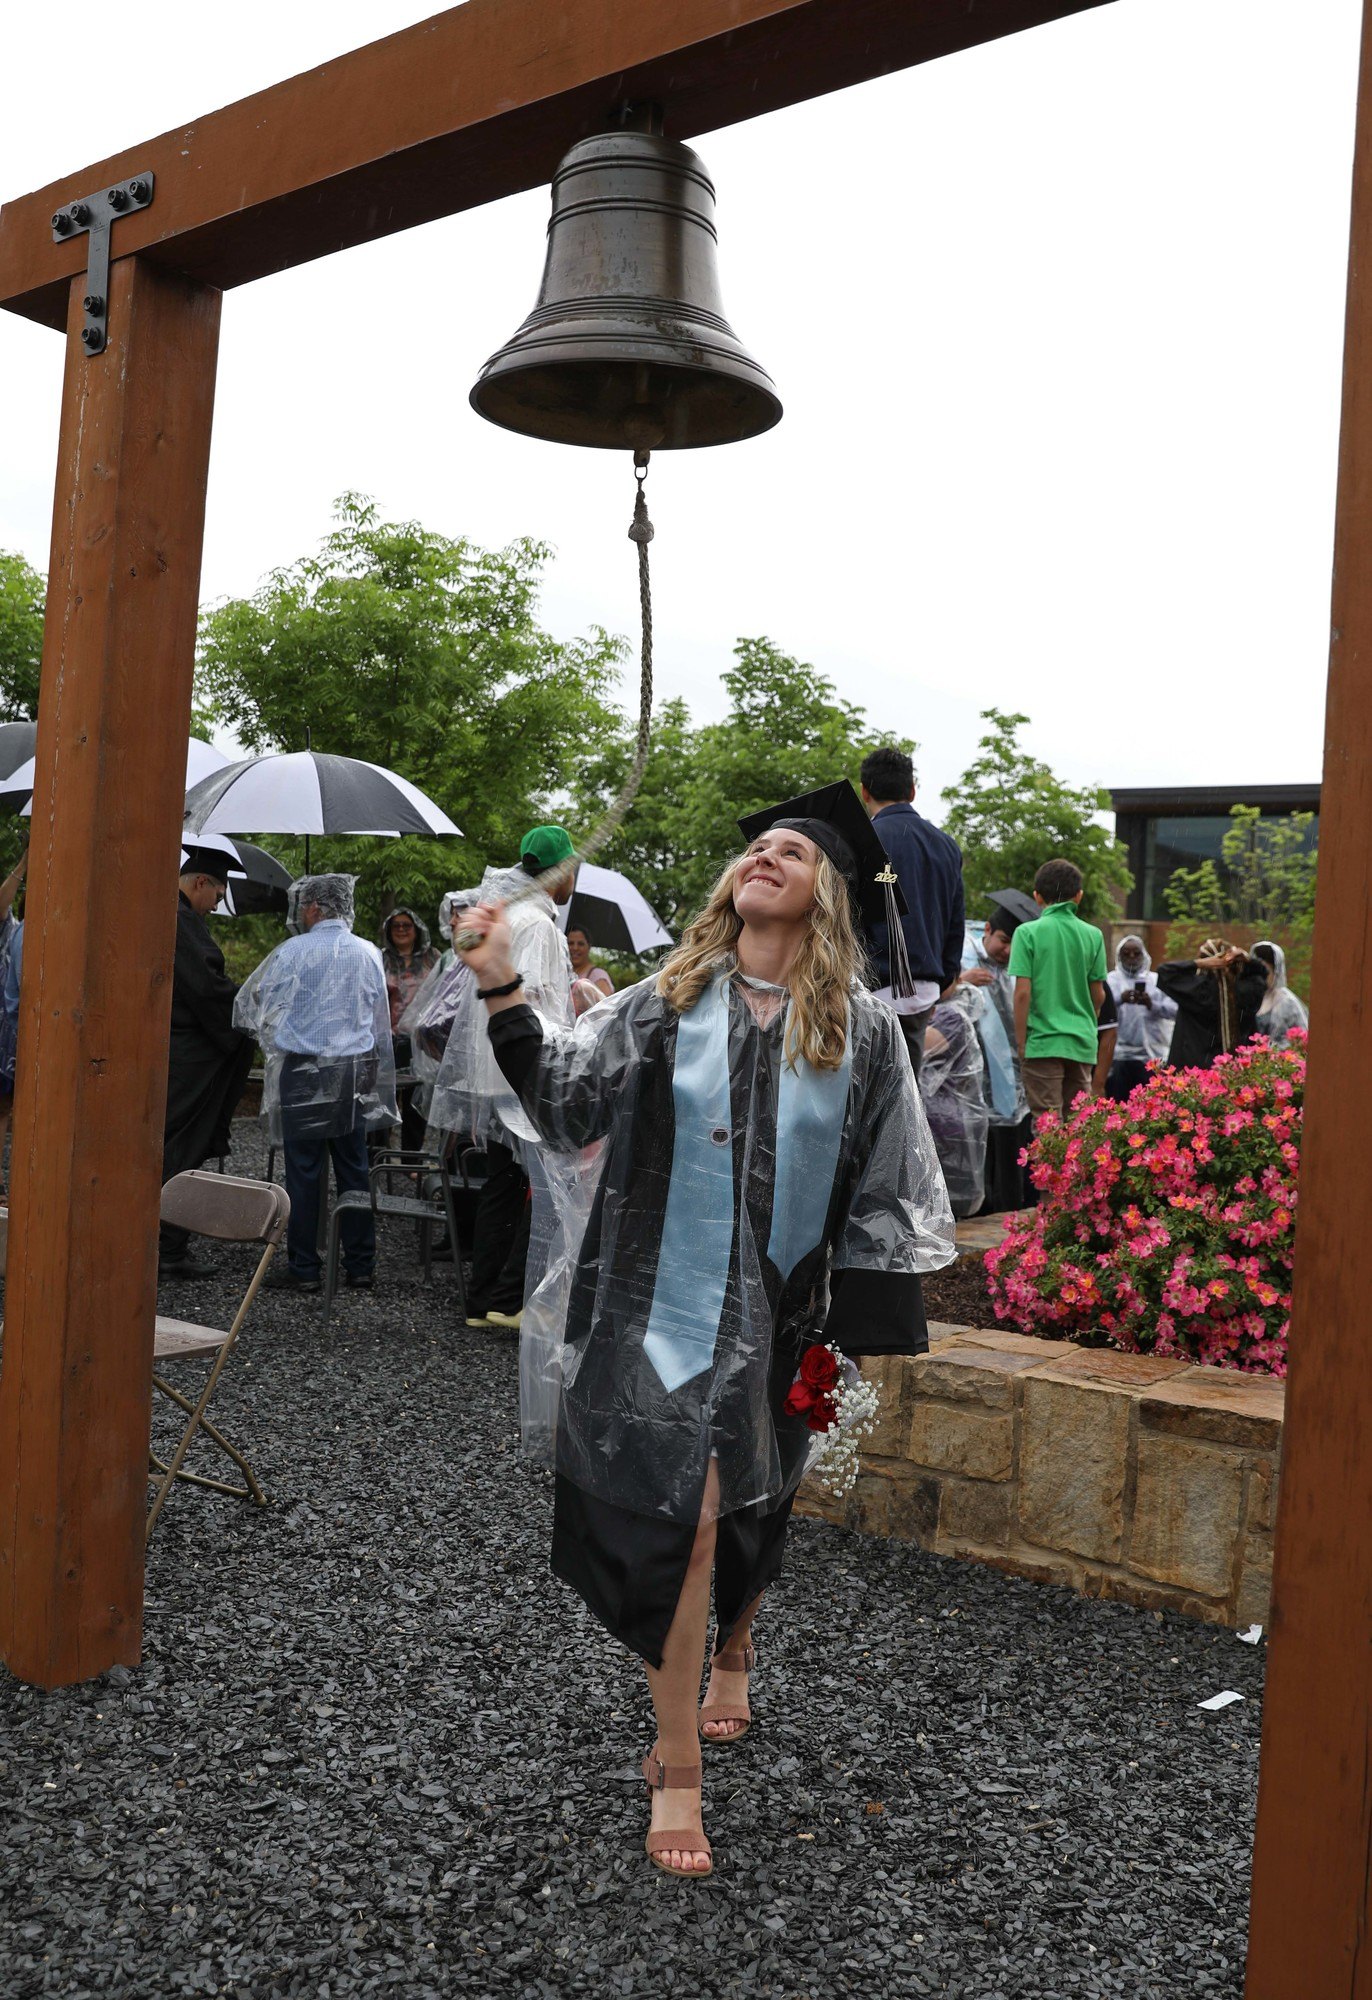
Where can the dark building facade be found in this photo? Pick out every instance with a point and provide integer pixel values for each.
(1180, 826)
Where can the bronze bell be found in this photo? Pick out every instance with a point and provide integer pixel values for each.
(628, 346)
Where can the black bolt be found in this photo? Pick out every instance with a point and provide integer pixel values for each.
(116, 197)
(79, 212)
(61, 222)
(91, 335)
(137, 190)
(93, 303)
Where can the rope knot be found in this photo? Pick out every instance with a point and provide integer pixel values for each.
(641, 529)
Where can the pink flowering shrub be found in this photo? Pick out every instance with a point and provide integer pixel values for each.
(1166, 1224)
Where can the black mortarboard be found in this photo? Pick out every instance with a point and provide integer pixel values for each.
(834, 819)
(208, 861)
(1014, 904)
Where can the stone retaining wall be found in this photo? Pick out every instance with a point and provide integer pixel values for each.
(1121, 1475)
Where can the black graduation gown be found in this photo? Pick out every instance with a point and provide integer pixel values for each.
(1196, 1036)
(628, 1561)
(209, 1060)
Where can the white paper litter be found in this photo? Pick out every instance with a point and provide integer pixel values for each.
(1251, 1636)
(1220, 1700)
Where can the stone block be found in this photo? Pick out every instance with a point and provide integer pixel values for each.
(1119, 1371)
(813, 1502)
(1005, 1340)
(961, 1373)
(1187, 1505)
(870, 1508)
(954, 1437)
(1218, 1406)
(974, 1511)
(913, 1509)
(976, 1234)
(887, 1373)
(1262, 1494)
(1063, 1571)
(1253, 1605)
(1124, 1588)
(1074, 1440)
(941, 1331)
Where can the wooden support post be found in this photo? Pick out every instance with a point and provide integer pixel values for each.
(1312, 1873)
(118, 651)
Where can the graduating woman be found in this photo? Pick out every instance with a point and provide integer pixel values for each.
(746, 1172)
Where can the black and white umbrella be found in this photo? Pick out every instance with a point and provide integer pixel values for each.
(18, 741)
(258, 882)
(16, 791)
(308, 791)
(612, 912)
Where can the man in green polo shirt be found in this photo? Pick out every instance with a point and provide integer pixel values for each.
(1058, 966)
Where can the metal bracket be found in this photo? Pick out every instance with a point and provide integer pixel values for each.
(97, 214)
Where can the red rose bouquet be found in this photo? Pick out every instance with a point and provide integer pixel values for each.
(840, 1407)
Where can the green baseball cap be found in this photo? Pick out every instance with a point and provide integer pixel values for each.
(547, 846)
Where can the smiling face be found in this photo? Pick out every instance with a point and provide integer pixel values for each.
(402, 934)
(579, 946)
(775, 881)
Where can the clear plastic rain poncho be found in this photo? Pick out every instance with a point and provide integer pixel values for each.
(428, 1020)
(317, 1007)
(1146, 1013)
(711, 1200)
(993, 1015)
(1280, 1011)
(469, 1096)
(952, 1088)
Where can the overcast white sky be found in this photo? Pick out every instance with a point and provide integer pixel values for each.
(1057, 324)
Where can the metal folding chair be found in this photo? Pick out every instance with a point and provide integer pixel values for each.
(425, 1197)
(231, 1211)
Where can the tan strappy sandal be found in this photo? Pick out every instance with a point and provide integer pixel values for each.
(660, 1777)
(737, 1660)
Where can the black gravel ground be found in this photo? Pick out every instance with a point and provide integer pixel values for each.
(374, 1748)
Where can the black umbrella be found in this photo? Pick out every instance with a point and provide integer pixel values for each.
(258, 883)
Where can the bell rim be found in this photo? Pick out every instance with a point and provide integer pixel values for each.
(762, 395)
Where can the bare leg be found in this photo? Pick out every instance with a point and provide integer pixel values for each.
(731, 1687)
(675, 1685)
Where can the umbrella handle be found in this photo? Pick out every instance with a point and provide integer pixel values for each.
(641, 531)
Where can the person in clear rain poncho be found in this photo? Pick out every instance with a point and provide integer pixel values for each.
(984, 986)
(468, 1096)
(318, 1008)
(952, 1088)
(744, 1172)
(1146, 1015)
(1280, 1011)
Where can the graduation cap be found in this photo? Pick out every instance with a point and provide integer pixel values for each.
(834, 819)
(1012, 904)
(209, 861)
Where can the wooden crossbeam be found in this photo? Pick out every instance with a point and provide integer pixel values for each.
(478, 102)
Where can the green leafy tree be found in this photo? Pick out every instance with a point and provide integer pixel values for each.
(786, 732)
(423, 654)
(22, 591)
(1264, 883)
(1010, 814)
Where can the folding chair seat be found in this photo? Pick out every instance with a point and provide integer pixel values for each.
(231, 1211)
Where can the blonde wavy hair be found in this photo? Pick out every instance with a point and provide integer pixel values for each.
(830, 958)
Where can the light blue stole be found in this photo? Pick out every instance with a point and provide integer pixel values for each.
(698, 1227)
